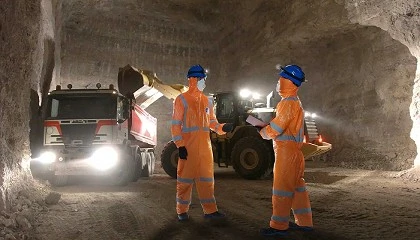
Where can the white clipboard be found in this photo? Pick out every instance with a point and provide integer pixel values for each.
(255, 121)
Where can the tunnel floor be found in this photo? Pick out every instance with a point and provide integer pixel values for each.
(346, 204)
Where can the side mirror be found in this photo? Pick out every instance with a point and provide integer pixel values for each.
(126, 109)
(124, 112)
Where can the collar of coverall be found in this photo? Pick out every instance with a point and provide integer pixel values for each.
(287, 88)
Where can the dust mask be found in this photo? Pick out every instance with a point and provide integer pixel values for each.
(278, 86)
(201, 84)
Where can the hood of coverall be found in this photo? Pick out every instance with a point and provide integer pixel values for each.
(287, 88)
(192, 85)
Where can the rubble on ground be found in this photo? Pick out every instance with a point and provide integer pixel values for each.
(19, 221)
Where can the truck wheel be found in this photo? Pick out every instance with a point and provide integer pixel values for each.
(251, 158)
(125, 172)
(148, 169)
(59, 180)
(137, 168)
(169, 159)
(152, 162)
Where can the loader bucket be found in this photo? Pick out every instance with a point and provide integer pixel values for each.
(146, 86)
(129, 80)
(311, 150)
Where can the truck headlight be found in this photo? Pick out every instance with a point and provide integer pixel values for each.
(104, 158)
(47, 157)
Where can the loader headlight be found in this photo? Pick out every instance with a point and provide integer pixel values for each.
(245, 93)
(47, 157)
(104, 158)
(311, 115)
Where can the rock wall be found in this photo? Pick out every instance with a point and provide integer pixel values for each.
(362, 91)
(27, 43)
(99, 37)
(360, 80)
(401, 19)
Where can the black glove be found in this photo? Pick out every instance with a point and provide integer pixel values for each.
(182, 152)
(258, 128)
(228, 127)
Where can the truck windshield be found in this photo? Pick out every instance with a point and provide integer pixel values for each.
(82, 106)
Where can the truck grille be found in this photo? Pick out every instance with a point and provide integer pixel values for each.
(78, 134)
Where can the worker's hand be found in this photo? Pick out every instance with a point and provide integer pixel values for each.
(182, 152)
(258, 128)
(228, 127)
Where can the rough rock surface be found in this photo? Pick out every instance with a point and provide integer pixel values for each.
(52, 198)
(401, 20)
(360, 80)
(27, 62)
(21, 219)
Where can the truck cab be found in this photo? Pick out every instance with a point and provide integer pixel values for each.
(96, 132)
(82, 118)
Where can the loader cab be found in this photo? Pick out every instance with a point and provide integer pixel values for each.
(230, 108)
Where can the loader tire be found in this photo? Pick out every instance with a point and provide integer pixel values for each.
(169, 159)
(251, 157)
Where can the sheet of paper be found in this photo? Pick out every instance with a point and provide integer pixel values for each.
(255, 121)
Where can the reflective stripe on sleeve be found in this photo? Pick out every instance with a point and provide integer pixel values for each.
(176, 138)
(281, 193)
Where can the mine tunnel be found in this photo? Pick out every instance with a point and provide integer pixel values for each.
(361, 62)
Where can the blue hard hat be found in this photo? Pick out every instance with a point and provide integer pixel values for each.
(294, 73)
(196, 71)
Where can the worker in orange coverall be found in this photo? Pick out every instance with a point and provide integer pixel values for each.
(286, 131)
(193, 118)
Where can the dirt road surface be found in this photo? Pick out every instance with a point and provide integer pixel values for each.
(346, 204)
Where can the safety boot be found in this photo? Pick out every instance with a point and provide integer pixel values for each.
(183, 217)
(215, 215)
(272, 232)
(294, 226)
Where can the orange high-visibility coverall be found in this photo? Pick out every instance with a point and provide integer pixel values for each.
(193, 118)
(289, 188)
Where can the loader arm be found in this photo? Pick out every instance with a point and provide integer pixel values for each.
(146, 86)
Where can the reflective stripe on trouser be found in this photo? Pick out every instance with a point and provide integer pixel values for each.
(198, 169)
(289, 191)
